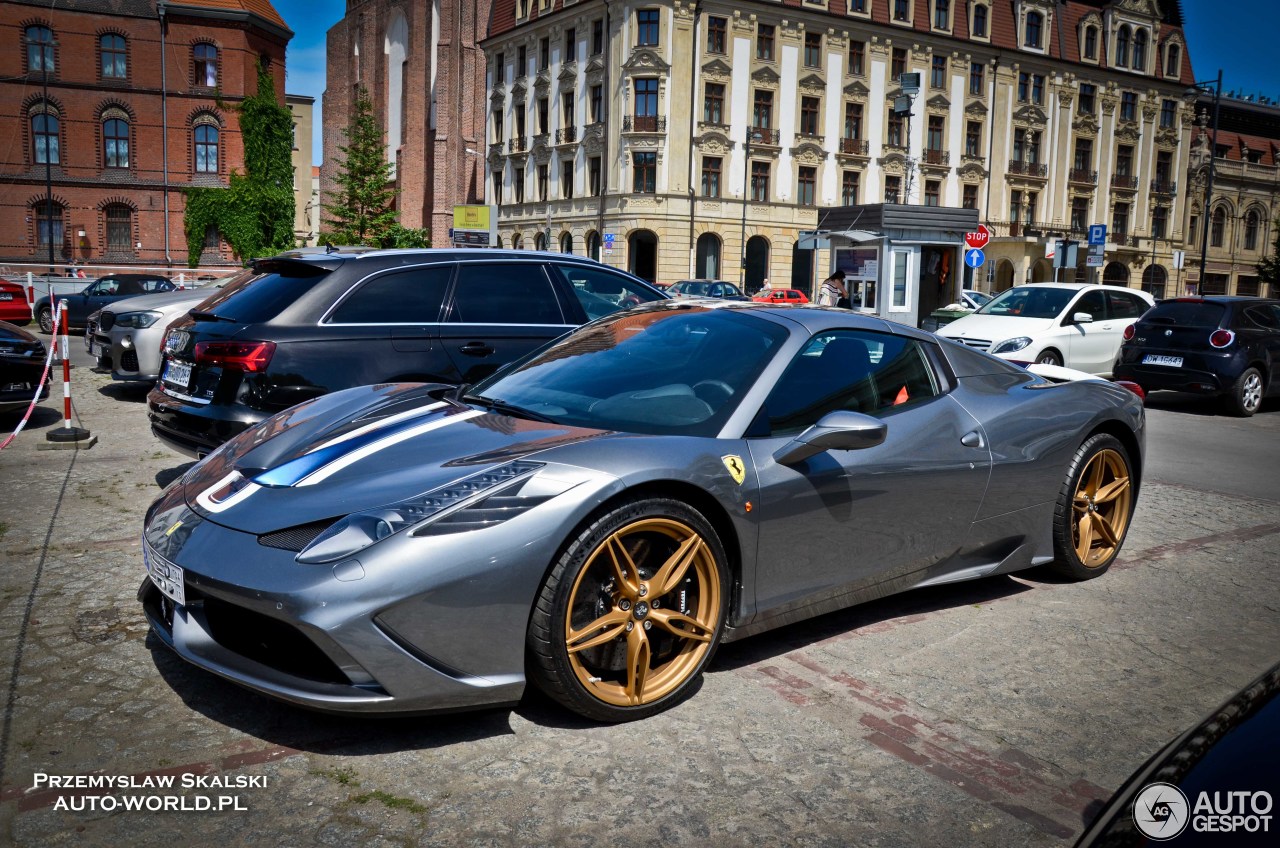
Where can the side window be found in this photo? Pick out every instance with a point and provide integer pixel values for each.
(1263, 316)
(411, 296)
(105, 287)
(601, 292)
(515, 293)
(130, 287)
(1093, 303)
(1123, 305)
(849, 370)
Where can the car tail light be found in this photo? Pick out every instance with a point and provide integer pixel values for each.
(244, 356)
(1133, 387)
(1128, 333)
(1222, 338)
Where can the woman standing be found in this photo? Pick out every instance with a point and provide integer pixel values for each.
(833, 291)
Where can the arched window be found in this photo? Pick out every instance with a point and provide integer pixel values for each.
(1115, 274)
(1091, 42)
(396, 48)
(119, 228)
(206, 148)
(1218, 231)
(204, 59)
(1035, 29)
(1140, 50)
(49, 222)
(115, 56)
(566, 242)
(707, 266)
(44, 139)
(1154, 279)
(115, 143)
(1122, 47)
(39, 49)
(516, 242)
(1172, 60)
(1251, 222)
(540, 241)
(593, 245)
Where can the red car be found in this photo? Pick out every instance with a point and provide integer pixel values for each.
(14, 307)
(781, 296)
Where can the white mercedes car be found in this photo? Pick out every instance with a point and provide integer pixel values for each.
(1077, 325)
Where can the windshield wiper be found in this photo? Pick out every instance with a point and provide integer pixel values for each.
(498, 405)
(201, 315)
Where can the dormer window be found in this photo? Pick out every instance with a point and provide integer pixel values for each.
(1172, 61)
(902, 10)
(1035, 29)
(1091, 43)
(1122, 47)
(942, 14)
(980, 21)
(1139, 49)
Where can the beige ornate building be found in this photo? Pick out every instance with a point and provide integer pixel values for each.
(302, 108)
(1246, 198)
(698, 135)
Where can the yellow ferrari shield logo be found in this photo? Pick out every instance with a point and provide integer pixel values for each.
(169, 532)
(737, 470)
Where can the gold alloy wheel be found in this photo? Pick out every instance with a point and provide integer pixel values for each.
(650, 594)
(1101, 509)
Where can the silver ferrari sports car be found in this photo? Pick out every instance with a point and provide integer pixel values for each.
(600, 515)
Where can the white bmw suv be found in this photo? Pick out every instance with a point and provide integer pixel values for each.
(1077, 325)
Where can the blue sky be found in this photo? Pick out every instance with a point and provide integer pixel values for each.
(1238, 37)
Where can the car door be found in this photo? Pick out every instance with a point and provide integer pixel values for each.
(1090, 346)
(499, 311)
(1259, 330)
(841, 521)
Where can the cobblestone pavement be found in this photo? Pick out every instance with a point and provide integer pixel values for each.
(996, 712)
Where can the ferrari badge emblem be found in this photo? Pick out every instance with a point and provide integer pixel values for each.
(736, 469)
(171, 530)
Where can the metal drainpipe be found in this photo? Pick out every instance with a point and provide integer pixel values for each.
(693, 135)
(164, 130)
(605, 98)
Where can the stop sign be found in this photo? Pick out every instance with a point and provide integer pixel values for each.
(979, 239)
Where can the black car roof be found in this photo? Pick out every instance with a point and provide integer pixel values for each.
(331, 260)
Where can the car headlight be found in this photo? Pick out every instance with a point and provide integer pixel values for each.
(137, 320)
(1010, 345)
(360, 530)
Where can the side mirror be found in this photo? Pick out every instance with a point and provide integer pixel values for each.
(835, 431)
(1082, 318)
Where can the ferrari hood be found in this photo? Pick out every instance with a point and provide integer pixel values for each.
(356, 450)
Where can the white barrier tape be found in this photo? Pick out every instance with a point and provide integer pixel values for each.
(48, 364)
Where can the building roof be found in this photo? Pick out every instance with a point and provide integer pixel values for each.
(1062, 36)
(147, 8)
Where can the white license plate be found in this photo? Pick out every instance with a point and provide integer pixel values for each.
(166, 576)
(6, 295)
(1171, 361)
(178, 373)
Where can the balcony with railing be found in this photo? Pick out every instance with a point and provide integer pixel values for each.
(1165, 187)
(566, 135)
(1083, 176)
(644, 123)
(1127, 182)
(935, 158)
(764, 135)
(518, 144)
(1028, 169)
(854, 146)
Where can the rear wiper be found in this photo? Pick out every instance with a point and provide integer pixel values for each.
(497, 405)
(201, 315)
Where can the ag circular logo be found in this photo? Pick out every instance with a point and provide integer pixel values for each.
(1161, 811)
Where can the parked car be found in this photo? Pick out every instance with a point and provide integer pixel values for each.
(126, 336)
(780, 297)
(1073, 324)
(98, 294)
(973, 299)
(1224, 346)
(597, 518)
(14, 306)
(21, 367)
(311, 322)
(706, 288)
(1209, 785)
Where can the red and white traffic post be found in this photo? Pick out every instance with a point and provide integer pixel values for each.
(66, 433)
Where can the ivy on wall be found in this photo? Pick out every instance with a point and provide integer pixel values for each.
(255, 212)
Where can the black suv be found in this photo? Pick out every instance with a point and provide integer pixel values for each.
(305, 323)
(1227, 346)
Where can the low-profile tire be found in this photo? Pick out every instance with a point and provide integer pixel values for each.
(1094, 507)
(1245, 397)
(1049, 357)
(46, 320)
(631, 612)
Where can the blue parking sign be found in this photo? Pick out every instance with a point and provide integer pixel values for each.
(608, 239)
(1097, 234)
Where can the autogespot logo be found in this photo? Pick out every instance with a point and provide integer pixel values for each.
(1161, 811)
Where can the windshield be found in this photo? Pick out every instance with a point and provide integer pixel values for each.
(690, 288)
(978, 297)
(259, 294)
(1029, 302)
(668, 371)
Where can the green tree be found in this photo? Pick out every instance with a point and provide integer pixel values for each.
(362, 210)
(1269, 267)
(255, 211)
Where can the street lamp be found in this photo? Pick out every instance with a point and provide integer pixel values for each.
(1206, 218)
(752, 135)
